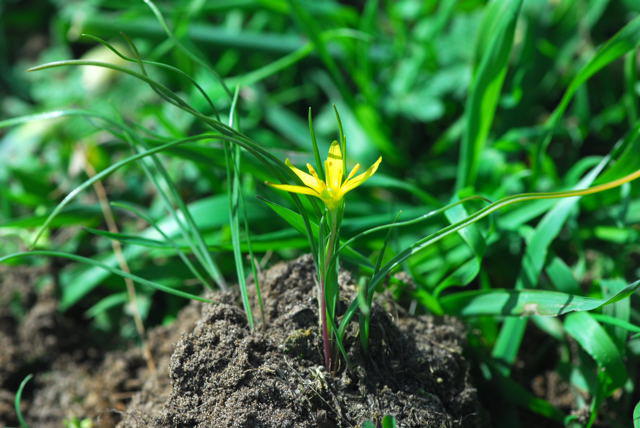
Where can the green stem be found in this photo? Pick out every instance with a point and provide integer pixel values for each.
(327, 347)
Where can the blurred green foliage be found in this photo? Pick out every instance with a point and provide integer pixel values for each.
(459, 97)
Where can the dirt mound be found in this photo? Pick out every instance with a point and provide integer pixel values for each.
(212, 371)
(221, 374)
(75, 376)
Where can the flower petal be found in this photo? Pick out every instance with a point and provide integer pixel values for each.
(313, 172)
(294, 189)
(354, 182)
(307, 179)
(353, 172)
(334, 166)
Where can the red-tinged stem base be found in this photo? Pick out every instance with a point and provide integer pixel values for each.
(326, 340)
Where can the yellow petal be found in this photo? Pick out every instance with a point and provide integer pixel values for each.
(353, 171)
(295, 189)
(313, 172)
(307, 179)
(356, 181)
(334, 167)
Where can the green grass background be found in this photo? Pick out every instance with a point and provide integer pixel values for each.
(459, 97)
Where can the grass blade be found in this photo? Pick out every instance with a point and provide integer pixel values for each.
(512, 332)
(107, 268)
(621, 43)
(167, 238)
(296, 220)
(435, 237)
(18, 400)
(314, 144)
(232, 158)
(516, 303)
(498, 30)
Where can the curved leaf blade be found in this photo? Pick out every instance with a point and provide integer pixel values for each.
(526, 302)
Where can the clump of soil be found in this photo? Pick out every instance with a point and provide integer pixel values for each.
(222, 374)
(32, 331)
(75, 376)
(213, 371)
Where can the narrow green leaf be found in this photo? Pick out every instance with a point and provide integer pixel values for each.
(607, 319)
(412, 221)
(158, 174)
(630, 79)
(513, 392)
(126, 238)
(484, 92)
(526, 302)
(310, 26)
(314, 144)
(342, 139)
(621, 43)
(512, 332)
(107, 303)
(156, 64)
(196, 58)
(295, 220)
(426, 241)
(104, 173)
(232, 158)
(137, 211)
(367, 116)
(107, 268)
(23, 423)
(628, 160)
(476, 243)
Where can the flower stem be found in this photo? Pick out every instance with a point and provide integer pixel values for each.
(327, 347)
(326, 341)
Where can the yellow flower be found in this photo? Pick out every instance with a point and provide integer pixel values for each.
(333, 189)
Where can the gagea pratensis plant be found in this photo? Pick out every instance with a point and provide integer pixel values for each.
(331, 186)
(331, 191)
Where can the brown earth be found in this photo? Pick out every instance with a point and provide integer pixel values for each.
(213, 371)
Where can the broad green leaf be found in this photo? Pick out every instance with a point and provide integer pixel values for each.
(621, 310)
(561, 276)
(389, 421)
(598, 344)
